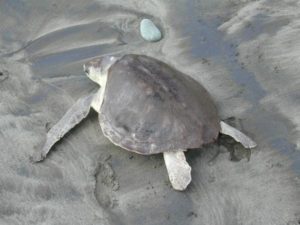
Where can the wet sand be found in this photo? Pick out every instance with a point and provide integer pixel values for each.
(246, 53)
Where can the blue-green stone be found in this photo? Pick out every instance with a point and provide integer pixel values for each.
(149, 31)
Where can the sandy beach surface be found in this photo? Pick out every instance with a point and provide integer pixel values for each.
(246, 53)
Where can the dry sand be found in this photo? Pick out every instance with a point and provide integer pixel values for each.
(246, 53)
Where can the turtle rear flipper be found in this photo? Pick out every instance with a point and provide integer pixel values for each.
(179, 170)
(237, 135)
(73, 116)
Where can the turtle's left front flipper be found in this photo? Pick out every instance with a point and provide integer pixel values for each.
(73, 116)
(237, 135)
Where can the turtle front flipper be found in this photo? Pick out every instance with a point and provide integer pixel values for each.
(73, 116)
(179, 170)
(237, 135)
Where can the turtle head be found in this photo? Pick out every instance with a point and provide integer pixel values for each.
(97, 69)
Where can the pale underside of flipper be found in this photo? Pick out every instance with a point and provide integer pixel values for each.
(237, 135)
(73, 116)
(179, 170)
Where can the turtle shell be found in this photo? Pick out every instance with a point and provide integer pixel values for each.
(149, 107)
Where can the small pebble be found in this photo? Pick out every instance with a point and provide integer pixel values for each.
(149, 31)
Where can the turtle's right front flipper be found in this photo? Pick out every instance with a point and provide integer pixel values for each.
(73, 116)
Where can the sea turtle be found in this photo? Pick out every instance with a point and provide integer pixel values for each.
(148, 107)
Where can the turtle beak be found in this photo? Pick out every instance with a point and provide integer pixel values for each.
(86, 69)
